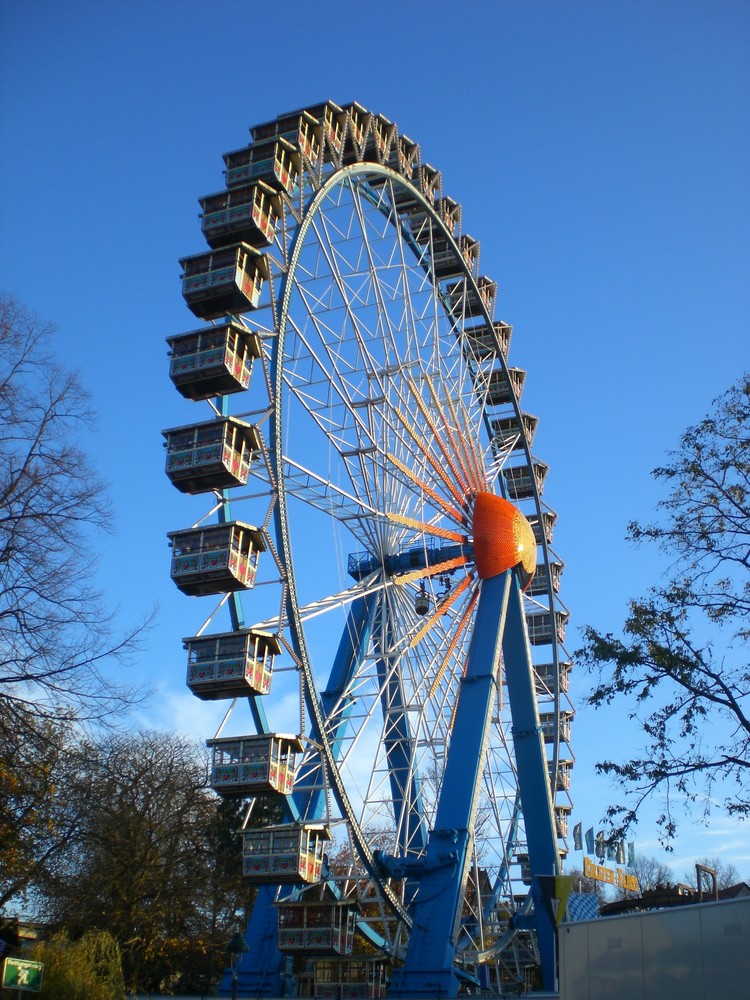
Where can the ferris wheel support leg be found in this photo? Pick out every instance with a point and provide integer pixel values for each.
(428, 969)
(533, 778)
(352, 646)
(405, 794)
(259, 969)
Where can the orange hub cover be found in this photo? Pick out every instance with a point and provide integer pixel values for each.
(503, 539)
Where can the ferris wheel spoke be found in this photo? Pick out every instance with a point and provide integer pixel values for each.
(448, 452)
(352, 299)
(425, 528)
(455, 492)
(369, 367)
(360, 448)
(323, 494)
(422, 655)
(399, 663)
(331, 409)
(458, 516)
(324, 605)
(461, 444)
(405, 325)
(441, 610)
(350, 508)
(329, 377)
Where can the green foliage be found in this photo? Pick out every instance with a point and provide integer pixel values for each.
(122, 834)
(155, 861)
(681, 661)
(89, 967)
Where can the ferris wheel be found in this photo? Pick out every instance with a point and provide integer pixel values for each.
(385, 626)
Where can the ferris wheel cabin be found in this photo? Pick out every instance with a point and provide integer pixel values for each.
(562, 817)
(547, 725)
(462, 300)
(550, 680)
(404, 156)
(216, 360)
(228, 280)
(503, 389)
(540, 583)
(358, 121)
(420, 223)
(249, 213)
(300, 128)
(333, 121)
(543, 526)
(482, 341)
(275, 162)
(509, 432)
(562, 782)
(429, 182)
(243, 766)
(345, 979)
(286, 854)
(379, 139)
(469, 248)
(317, 927)
(215, 558)
(540, 627)
(445, 263)
(522, 480)
(211, 455)
(231, 664)
(449, 211)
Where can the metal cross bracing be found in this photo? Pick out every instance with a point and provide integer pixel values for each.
(386, 406)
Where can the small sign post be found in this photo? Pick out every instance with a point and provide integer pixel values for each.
(20, 974)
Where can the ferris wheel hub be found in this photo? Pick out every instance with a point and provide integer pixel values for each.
(503, 539)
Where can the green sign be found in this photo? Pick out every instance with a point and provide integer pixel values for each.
(22, 975)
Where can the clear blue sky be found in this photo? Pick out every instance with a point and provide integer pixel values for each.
(599, 151)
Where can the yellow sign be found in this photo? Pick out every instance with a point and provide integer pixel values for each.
(556, 890)
(617, 877)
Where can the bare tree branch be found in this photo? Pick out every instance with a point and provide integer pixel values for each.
(682, 659)
(58, 644)
(55, 637)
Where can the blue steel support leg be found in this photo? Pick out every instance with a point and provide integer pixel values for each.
(428, 966)
(353, 645)
(259, 970)
(533, 776)
(398, 743)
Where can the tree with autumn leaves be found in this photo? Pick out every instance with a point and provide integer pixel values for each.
(156, 861)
